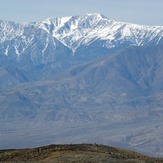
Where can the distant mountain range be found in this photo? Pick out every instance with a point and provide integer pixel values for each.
(88, 37)
(81, 79)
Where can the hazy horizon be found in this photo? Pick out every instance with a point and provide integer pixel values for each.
(145, 12)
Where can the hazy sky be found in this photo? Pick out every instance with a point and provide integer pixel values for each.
(147, 12)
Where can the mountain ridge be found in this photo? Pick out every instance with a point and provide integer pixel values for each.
(93, 20)
(81, 38)
(59, 27)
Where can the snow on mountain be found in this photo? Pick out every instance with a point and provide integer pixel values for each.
(27, 44)
(76, 31)
(10, 30)
(15, 33)
(81, 34)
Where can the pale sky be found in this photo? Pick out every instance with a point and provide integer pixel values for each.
(147, 12)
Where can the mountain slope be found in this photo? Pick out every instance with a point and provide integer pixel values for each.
(28, 45)
(92, 103)
(28, 54)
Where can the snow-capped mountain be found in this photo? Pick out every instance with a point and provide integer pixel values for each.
(87, 37)
(81, 79)
(87, 29)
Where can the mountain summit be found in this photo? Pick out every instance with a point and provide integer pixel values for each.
(87, 29)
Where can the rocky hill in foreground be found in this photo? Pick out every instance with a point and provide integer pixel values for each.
(82, 153)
